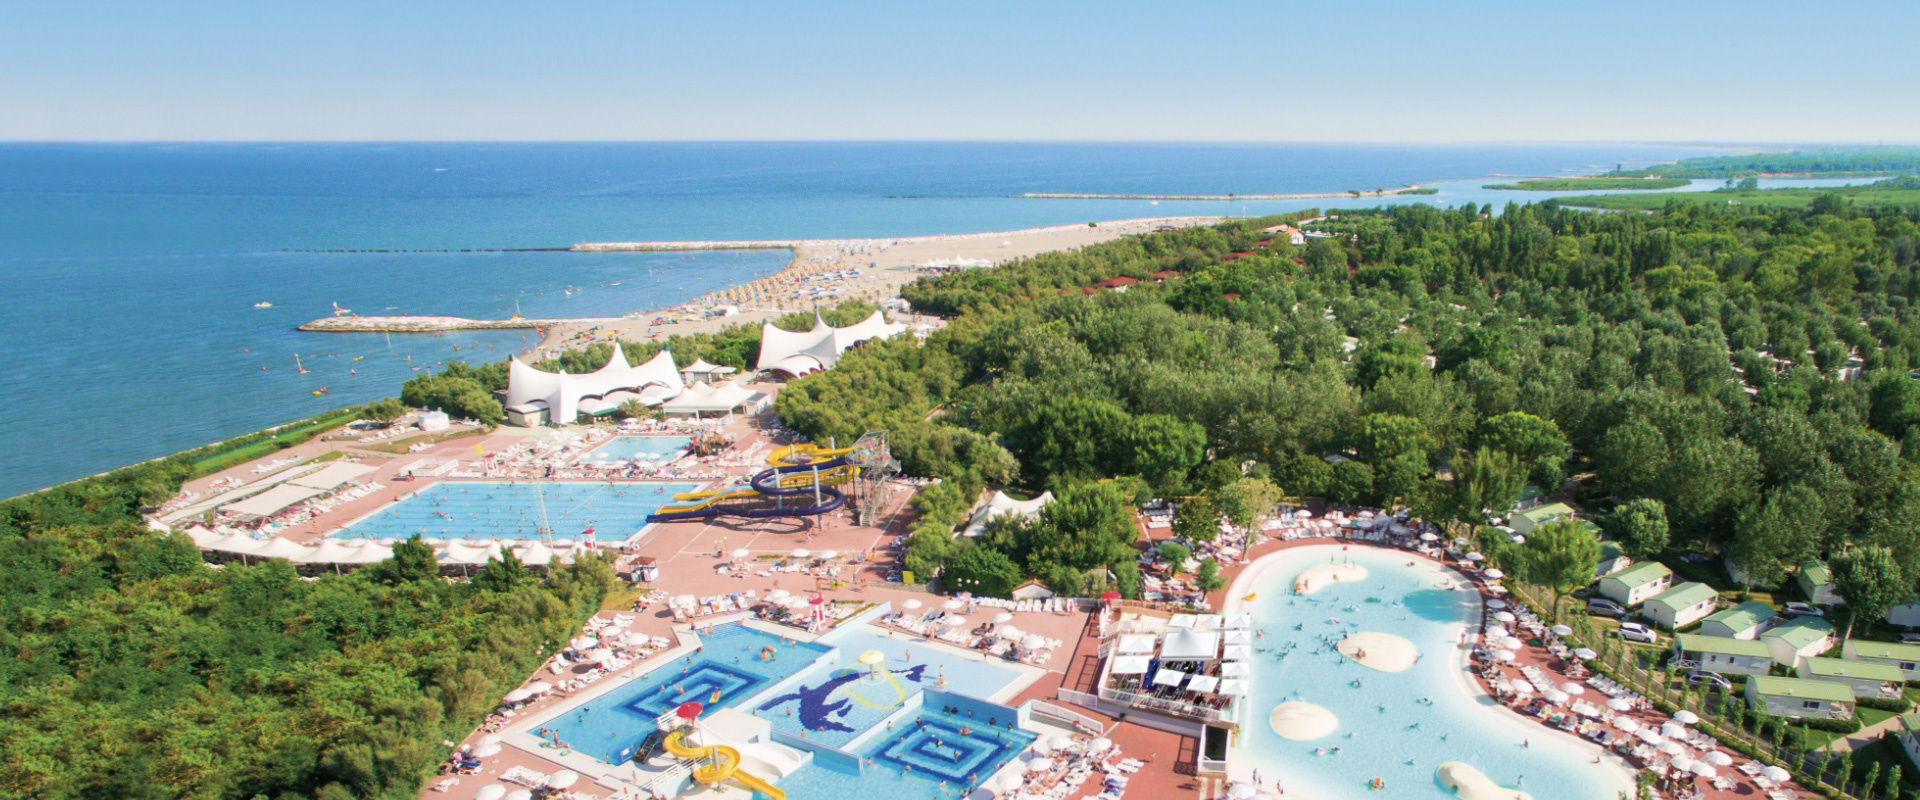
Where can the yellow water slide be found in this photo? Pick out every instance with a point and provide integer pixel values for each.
(725, 767)
(696, 501)
(803, 454)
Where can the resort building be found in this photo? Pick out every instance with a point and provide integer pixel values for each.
(1798, 638)
(1871, 679)
(1633, 585)
(1908, 734)
(1816, 582)
(818, 349)
(1721, 655)
(537, 397)
(1745, 621)
(1906, 657)
(1799, 697)
(1681, 605)
(1532, 519)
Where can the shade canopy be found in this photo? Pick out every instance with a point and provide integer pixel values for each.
(1203, 683)
(1135, 643)
(1685, 717)
(1233, 687)
(490, 792)
(1168, 677)
(1130, 665)
(563, 779)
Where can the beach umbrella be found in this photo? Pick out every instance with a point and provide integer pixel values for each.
(1496, 604)
(563, 779)
(1680, 761)
(1650, 736)
(1011, 633)
(1503, 655)
(829, 554)
(1040, 765)
(523, 794)
(491, 738)
(1461, 542)
(1504, 616)
(1003, 618)
(1685, 717)
(1034, 641)
(953, 620)
(1511, 643)
(1476, 557)
(540, 687)
(1620, 704)
(1242, 791)
(742, 552)
(1588, 710)
(954, 605)
(1672, 748)
(1522, 685)
(1099, 744)
(1674, 729)
(1303, 514)
(781, 595)
(491, 792)
(1494, 574)
(1573, 688)
(585, 643)
(1584, 653)
(1429, 537)
(1555, 696)
(1704, 770)
(1495, 588)
(1060, 743)
(1626, 724)
(517, 695)
(1560, 630)
(485, 750)
(1717, 758)
(910, 604)
(1776, 774)
(1010, 781)
(801, 552)
(599, 654)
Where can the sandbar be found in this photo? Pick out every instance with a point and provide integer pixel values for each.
(1301, 721)
(1382, 651)
(1318, 576)
(1470, 784)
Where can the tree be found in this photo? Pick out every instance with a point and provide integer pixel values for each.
(1639, 525)
(1526, 436)
(1208, 578)
(384, 410)
(1174, 554)
(1871, 581)
(984, 571)
(1196, 519)
(1381, 437)
(1247, 500)
(1560, 556)
(1631, 456)
(1161, 446)
(1486, 480)
(1351, 483)
(413, 561)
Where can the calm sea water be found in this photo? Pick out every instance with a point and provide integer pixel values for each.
(131, 270)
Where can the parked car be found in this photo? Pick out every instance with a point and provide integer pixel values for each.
(1802, 610)
(1910, 638)
(1602, 607)
(1700, 677)
(1636, 632)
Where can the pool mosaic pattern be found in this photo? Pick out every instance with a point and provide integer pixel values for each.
(727, 670)
(911, 765)
(649, 449)
(842, 697)
(513, 510)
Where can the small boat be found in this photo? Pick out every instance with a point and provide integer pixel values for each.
(297, 365)
(263, 304)
(320, 391)
(357, 358)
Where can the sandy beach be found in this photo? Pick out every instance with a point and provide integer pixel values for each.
(884, 265)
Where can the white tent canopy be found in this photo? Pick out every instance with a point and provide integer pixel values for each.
(718, 398)
(1191, 644)
(272, 501)
(563, 393)
(1130, 665)
(1168, 677)
(1135, 643)
(332, 475)
(1001, 505)
(820, 348)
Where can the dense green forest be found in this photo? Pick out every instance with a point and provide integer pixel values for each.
(1902, 191)
(1823, 161)
(1735, 378)
(128, 669)
(1589, 184)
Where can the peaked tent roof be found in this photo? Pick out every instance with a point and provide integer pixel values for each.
(1000, 504)
(819, 348)
(563, 392)
(710, 397)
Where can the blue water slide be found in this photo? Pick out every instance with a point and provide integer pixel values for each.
(765, 483)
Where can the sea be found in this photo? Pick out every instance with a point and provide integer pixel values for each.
(132, 271)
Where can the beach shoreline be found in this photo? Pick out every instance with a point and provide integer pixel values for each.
(822, 272)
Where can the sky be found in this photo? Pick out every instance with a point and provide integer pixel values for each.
(1756, 71)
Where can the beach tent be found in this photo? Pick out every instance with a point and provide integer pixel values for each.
(819, 348)
(535, 555)
(562, 394)
(282, 548)
(720, 398)
(701, 370)
(1168, 677)
(271, 501)
(1191, 644)
(1130, 665)
(237, 544)
(1133, 643)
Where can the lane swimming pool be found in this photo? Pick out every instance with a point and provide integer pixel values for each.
(1397, 726)
(727, 670)
(487, 510)
(842, 697)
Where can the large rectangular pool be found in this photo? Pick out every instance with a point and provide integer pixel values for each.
(515, 510)
(728, 669)
(840, 698)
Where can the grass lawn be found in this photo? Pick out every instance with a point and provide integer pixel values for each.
(1889, 756)
(1591, 184)
(400, 446)
(620, 599)
(1783, 198)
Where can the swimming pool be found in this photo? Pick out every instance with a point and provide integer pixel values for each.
(842, 697)
(727, 670)
(514, 510)
(645, 448)
(1399, 726)
(910, 765)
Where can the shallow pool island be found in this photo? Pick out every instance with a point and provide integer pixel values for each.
(1360, 687)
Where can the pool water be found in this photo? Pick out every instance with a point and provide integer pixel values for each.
(626, 448)
(461, 510)
(727, 670)
(1398, 726)
(842, 697)
(911, 764)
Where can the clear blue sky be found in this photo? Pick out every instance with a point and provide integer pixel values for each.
(1344, 70)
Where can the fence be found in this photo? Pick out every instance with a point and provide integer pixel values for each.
(1076, 719)
(1622, 663)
